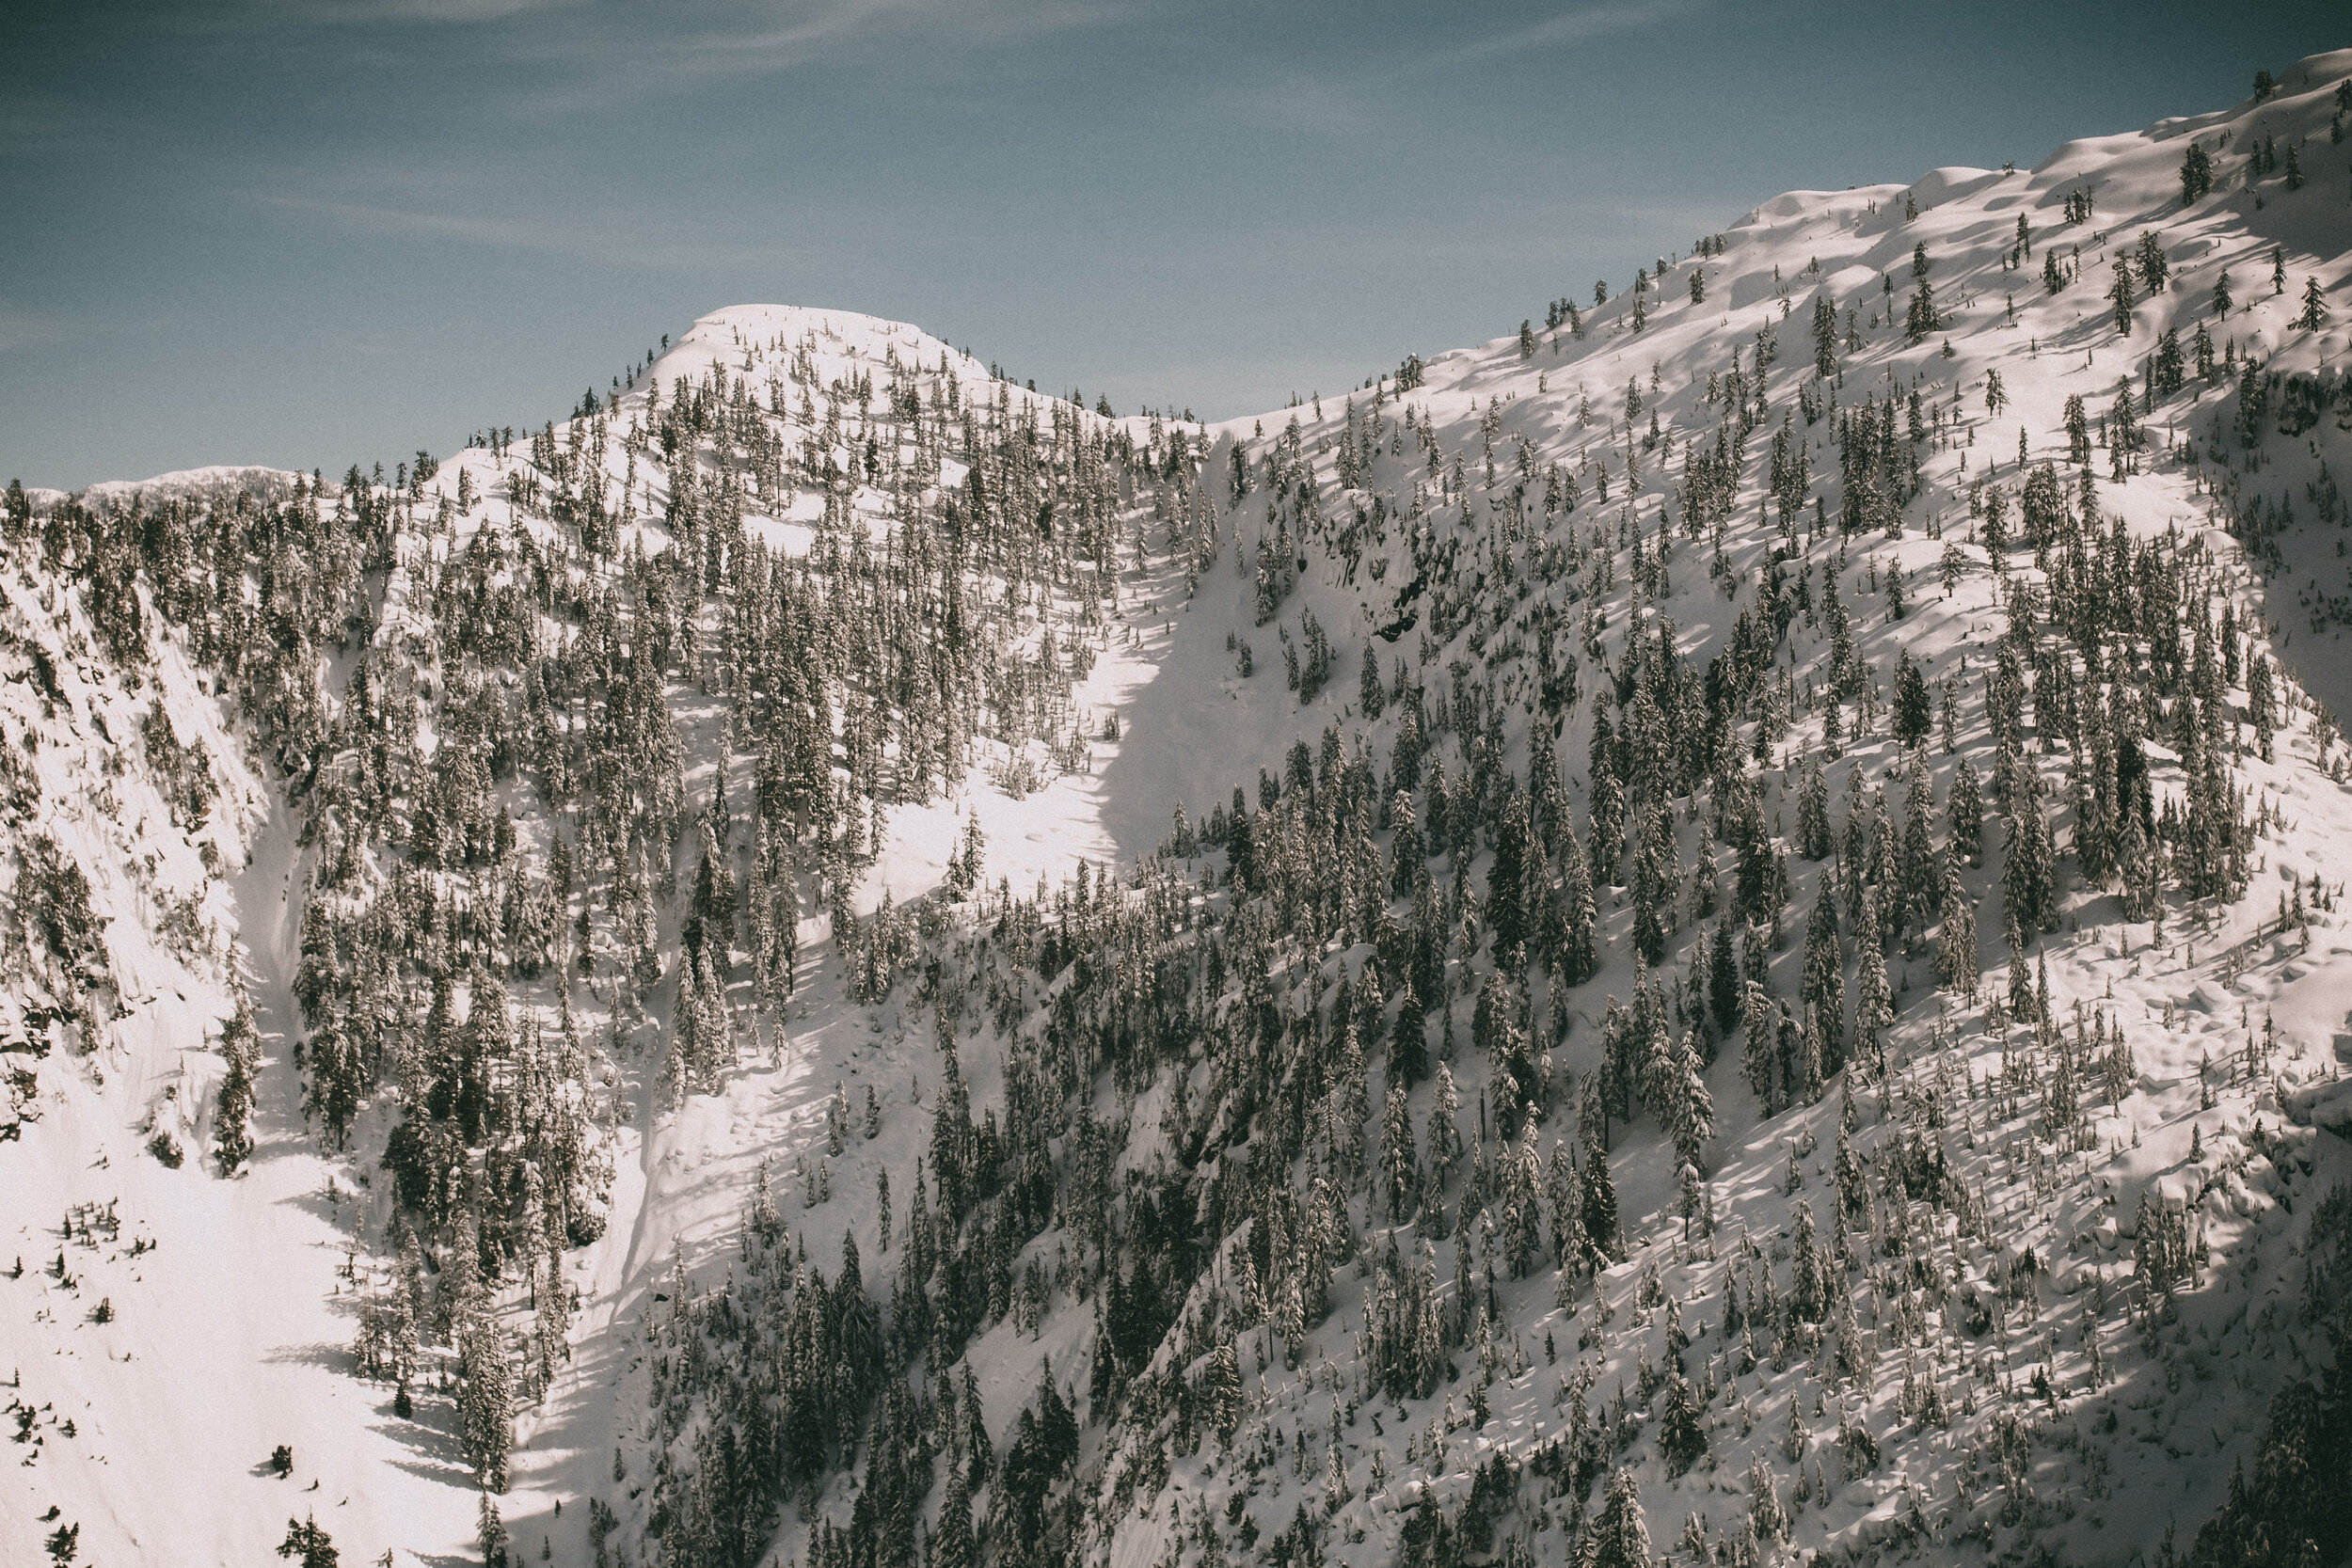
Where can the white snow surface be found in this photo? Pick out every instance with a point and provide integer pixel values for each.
(232, 1334)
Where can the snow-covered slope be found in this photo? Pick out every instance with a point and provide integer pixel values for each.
(2006, 1286)
(165, 1329)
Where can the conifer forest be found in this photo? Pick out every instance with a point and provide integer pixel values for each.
(1711, 931)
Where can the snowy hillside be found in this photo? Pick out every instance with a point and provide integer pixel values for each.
(1714, 926)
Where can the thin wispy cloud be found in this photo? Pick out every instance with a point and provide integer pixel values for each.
(803, 32)
(371, 13)
(550, 60)
(1582, 24)
(611, 243)
(1312, 97)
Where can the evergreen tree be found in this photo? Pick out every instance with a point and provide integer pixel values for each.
(1621, 1535)
(303, 1540)
(1600, 1206)
(1824, 990)
(1812, 832)
(2314, 306)
(1807, 1050)
(1768, 1518)
(1445, 1138)
(1495, 1030)
(1400, 1171)
(1563, 1188)
(1956, 963)
(1575, 960)
(232, 1111)
(1522, 1183)
(2196, 173)
(2022, 1006)
(1874, 1004)
(2169, 371)
(490, 1535)
(2028, 881)
(2077, 429)
(1912, 902)
(1912, 718)
(1681, 1434)
(1759, 1056)
(486, 1404)
(1408, 1040)
(1654, 878)
(1509, 876)
(1725, 991)
(1921, 319)
(1690, 1109)
(1966, 811)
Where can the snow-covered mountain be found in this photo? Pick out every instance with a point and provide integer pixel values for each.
(1710, 927)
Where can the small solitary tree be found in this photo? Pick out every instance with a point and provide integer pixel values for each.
(306, 1541)
(2314, 307)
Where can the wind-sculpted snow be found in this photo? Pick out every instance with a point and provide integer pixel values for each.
(1713, 928)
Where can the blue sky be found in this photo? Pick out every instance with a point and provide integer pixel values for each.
(310, 232)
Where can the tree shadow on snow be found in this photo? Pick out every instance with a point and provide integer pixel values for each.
(330, 1354)
(437, 1454)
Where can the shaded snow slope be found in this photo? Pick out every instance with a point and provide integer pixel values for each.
(228, 1337)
